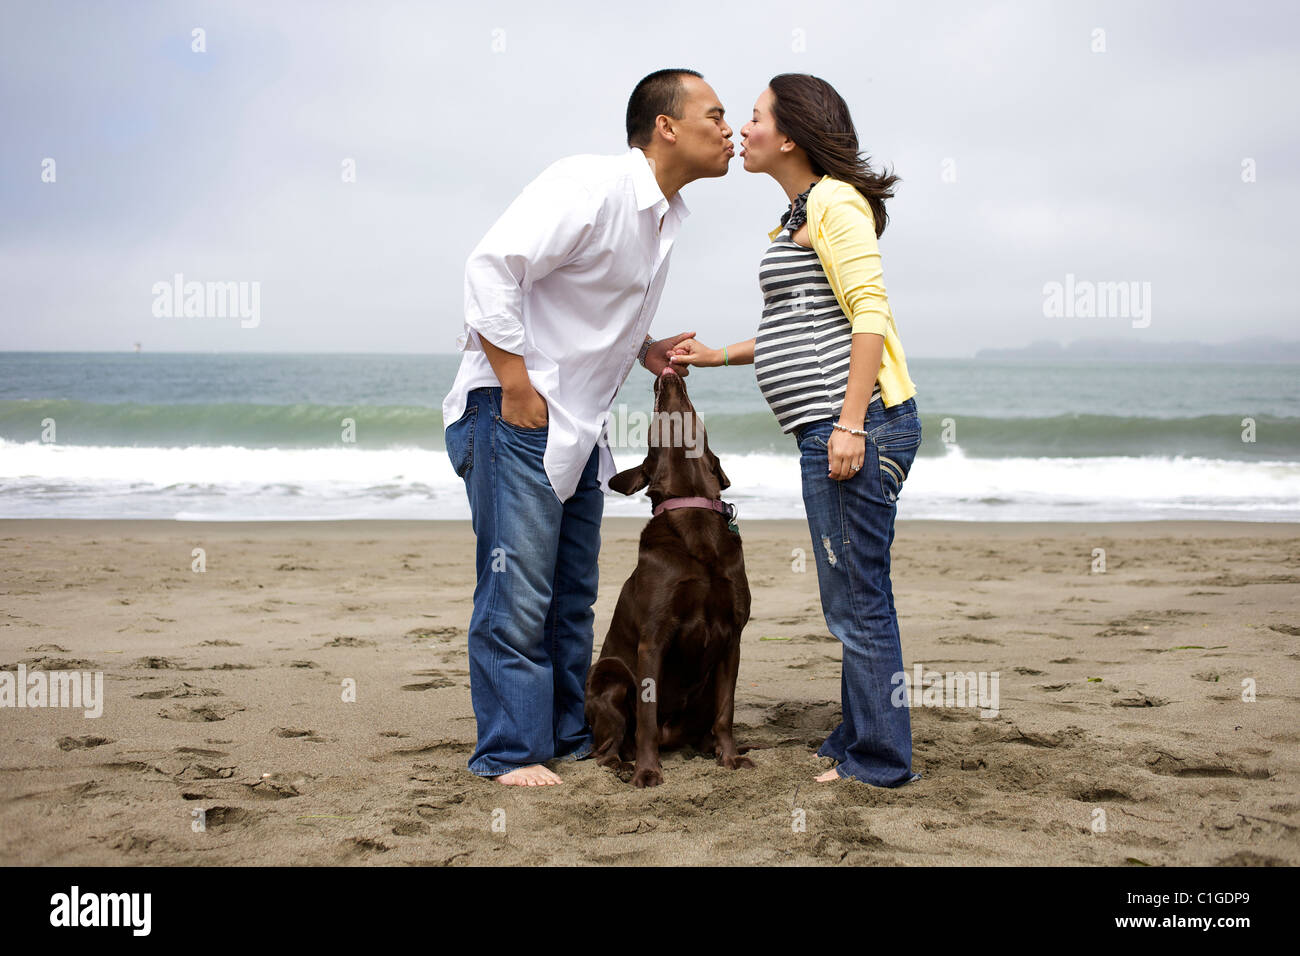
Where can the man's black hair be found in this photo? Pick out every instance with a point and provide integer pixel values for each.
(659, 93)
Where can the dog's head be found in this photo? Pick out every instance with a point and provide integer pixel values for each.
(678, 462)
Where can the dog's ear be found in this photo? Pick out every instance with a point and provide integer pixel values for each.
(716, 465)
(631, 481)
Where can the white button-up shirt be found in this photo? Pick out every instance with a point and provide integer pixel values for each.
(570, 277)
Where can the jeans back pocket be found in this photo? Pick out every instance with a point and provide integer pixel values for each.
(896, 443)
(459, 437)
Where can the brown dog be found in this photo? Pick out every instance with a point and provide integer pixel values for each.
(666, 675)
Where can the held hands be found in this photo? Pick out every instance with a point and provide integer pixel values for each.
(845, 454)
(692, 352)
(657, 358)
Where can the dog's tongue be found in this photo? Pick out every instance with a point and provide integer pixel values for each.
(668, 370)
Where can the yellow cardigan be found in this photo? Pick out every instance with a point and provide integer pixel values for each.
(843, 232)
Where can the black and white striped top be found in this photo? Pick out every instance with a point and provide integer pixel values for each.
(801, 352)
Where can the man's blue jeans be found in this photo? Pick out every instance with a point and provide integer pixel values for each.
(531, 633)
(852, 525)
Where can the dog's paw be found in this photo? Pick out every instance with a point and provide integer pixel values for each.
(606, 757)
(647, 777)
(615, 763)
(735, 762)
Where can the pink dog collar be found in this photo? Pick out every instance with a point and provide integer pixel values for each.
(722, 507)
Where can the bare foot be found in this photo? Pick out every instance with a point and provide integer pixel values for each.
(828, 776)
(534, 776)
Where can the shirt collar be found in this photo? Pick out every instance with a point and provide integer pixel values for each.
(648, 193)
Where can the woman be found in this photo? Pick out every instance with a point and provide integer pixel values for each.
(829, 362)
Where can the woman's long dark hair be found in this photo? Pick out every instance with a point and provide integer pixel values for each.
(810, 112)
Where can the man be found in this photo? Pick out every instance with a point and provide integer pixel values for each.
(559, 297)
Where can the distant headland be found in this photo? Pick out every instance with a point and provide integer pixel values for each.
(1257, 349)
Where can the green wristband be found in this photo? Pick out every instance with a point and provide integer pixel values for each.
(724, 355)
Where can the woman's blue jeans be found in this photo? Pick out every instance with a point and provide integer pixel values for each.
(852, 525)
(531, 632)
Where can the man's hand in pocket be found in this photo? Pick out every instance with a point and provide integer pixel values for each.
(524, 407)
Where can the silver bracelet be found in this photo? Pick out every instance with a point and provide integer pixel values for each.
(845, 428)
(645, 348)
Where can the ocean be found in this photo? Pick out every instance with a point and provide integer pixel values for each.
(237, 436)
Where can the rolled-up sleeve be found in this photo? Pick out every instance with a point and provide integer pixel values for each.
(843, 233)
(545, 227)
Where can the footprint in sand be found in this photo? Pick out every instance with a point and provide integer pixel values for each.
(801, 715)
(437, 679)
(349, 642)
(1140, 700)
(54, 664)
(155, 663)
(279, 786)
(436, 747)
(202, 714)
(434, 684)
(178, 690)
(357, 847)
(229, 818)
(1061, 738)
(1173, 765)
(409, 828)
(187, 769)
(295, 733)
(447, 633)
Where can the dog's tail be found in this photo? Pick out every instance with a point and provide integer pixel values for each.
(611, 709)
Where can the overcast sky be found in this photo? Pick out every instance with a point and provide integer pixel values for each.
(1117, 166)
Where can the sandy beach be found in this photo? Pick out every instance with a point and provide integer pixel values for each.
(225, 738)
